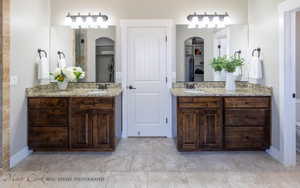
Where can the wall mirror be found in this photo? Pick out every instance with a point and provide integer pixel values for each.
(91, 49)
(195, 49)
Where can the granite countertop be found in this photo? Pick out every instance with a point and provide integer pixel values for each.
(215, 89)
(74, 90)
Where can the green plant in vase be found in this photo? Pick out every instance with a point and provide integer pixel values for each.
(218, 66)
(230, 67)
(218, 63)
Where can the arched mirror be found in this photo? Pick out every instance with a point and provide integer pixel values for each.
(194, 59)
(105, 60)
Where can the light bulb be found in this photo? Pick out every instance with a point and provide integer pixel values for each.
(227, 20)
(99, 21)
(68, 21)
(193, 23)
(79, 21)
(216, 20)
(195, 20)
(89, 21)
(205, 20)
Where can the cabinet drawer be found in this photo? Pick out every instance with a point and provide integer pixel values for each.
(247, 117)
(245, 138)
(92, 103)
(48, 137)
(48, 116)
(199, 102)
(247, 102)
(44, 103)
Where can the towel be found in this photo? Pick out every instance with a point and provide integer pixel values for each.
(255, 70)
(61, 63)
(43, 70)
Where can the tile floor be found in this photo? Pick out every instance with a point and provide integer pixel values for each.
(151, 163)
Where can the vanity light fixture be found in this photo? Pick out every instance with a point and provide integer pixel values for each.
(86, 21)
(208, 20)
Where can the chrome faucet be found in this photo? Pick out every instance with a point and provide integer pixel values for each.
(189, 86)
(102, 86)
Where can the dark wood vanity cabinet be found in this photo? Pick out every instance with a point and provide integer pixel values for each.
(92, 123)
(199, 124)
(48, 123)
(188, 137)
(223, 123)
(74, 124)
(247, 123)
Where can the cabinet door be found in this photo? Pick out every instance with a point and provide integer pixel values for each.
(210, 129)
(188, 133)
(48, 138)
(103, 132)
(81, 129)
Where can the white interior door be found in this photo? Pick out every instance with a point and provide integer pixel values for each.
(147, 89)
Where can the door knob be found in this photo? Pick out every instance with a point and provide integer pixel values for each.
(131, 87)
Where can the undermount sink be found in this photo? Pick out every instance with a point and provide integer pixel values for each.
(97, 92)
(193, 91)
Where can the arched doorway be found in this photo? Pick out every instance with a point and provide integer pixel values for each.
(194, 59)
(105, 60)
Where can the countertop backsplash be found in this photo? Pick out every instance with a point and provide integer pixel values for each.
(73, 90)
(218, 89)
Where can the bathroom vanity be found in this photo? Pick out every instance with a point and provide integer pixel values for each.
(79, 119)
(210, 118)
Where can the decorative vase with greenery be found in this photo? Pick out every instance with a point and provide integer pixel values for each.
(218, 66)
(230, 66)
(78, 72)
(64, 75)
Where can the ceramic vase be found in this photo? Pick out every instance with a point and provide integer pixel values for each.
(230, 82)
(218, 76)
(62, 85)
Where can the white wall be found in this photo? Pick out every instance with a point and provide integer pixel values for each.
(147, 9)
(182, 34)
(239, 40)
(62, 39)
(298, 55)
(29, 31)
(263, 31)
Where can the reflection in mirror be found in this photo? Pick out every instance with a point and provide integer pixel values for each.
(105, 60)
(195, 49)
(194, 59)
(91, 49)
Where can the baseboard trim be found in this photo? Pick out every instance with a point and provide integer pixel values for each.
(20, 156)
(275, 153)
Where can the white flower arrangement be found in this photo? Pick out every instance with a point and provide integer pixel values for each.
(68, 74)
